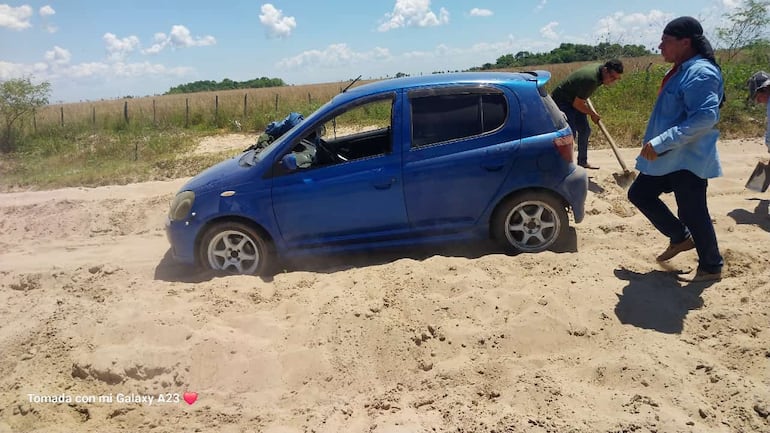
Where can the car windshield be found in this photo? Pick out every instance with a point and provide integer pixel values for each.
(254, 155)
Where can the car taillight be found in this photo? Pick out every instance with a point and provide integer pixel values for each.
(564, 147)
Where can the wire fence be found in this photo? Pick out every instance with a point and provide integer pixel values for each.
(249, 109)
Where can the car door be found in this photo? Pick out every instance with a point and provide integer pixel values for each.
(459, 153)
(354, 196)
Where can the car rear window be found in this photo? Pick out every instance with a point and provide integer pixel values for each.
(451, 114)
(559, 120)
(540, 115)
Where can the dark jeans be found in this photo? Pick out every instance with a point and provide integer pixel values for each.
(694, 219)
(581, 130)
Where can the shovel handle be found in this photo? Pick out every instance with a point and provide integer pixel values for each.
(609, 138)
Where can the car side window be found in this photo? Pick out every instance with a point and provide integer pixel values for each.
(443, 116)
(362, 130)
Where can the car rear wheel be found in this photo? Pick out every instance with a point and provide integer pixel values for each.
(530, 222)
(236, 248)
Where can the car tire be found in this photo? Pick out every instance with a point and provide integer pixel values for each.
(236, 248)
(530, 222)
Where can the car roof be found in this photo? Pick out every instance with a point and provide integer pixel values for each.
(510, 79)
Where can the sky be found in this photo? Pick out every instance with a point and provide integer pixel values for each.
(107, 49)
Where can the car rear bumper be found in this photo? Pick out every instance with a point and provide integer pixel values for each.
(575, 191)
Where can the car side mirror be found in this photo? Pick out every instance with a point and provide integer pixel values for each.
(289, 161)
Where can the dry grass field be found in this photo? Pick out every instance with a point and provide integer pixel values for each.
(253, 108)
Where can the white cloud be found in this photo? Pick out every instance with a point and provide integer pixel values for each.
(47, 11)
(541, 5)
(549, 31)
(56, 69)
(411, 13)
(180, 37)
(476, 12)
(15, 18)
(58, 56)
(147, 69)
(333, 56)
(86, 70)
(10, 70)
(117, 48)
(632, 28)
(483, 49)
(277, 25)
(731, 4)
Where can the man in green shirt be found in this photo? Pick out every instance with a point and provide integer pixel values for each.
(571, 94)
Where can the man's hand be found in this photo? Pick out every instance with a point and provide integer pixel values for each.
(582, 106)
(648, 152)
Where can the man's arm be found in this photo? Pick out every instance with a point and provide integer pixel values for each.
(701, 107)
(767, 128)
(580, 105)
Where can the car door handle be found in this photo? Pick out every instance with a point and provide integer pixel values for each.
(494, 159)
(384, 184)
(492, 166)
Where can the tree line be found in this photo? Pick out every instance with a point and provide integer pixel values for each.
(567, 53)
(226, 84)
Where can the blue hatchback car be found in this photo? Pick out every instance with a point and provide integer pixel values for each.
(402, 161)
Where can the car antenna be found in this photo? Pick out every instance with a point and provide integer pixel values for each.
(351, 83)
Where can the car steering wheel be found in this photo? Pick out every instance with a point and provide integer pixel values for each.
(336, 157)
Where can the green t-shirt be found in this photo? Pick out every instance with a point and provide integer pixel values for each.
(582, 83)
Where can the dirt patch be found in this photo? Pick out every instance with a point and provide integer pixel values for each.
(223, 143)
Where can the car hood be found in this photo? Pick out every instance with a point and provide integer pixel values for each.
(229, 172)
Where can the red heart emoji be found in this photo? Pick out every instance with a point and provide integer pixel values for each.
(190, 397)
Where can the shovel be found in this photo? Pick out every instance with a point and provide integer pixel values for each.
(760, 177)
(627, 177)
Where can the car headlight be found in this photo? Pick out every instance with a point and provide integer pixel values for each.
(181, 205)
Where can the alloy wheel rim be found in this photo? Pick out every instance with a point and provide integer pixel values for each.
(532, 225)
(232, 250)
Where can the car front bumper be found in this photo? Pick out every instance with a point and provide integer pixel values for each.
(181, 236)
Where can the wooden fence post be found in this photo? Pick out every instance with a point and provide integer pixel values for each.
(93, 115)
(276, 102)
(125, 111)
(186, 112)
(154, 119)
(245, 95)
(34, 120)
(216, 108)
(62, 115)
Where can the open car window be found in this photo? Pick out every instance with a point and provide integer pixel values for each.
(362, 130)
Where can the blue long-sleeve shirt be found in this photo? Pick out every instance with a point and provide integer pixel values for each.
(681, 126)
(767, 128)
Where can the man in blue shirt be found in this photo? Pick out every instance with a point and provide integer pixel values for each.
(679, 153)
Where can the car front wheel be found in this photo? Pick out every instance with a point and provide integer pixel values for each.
(234, 247)
(530, 222)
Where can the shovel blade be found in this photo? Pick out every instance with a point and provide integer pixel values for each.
(624, 179)
(760, 177)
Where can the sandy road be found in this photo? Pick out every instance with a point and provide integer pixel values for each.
(596, 338)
